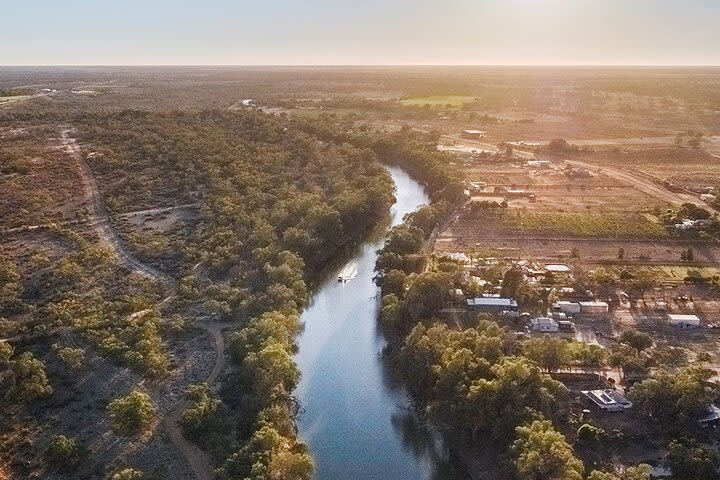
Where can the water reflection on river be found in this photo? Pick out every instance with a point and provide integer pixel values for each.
(356, 423)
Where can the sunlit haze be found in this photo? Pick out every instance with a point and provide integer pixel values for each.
(343, 32)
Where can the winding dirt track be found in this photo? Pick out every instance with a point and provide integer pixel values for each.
(196, 458)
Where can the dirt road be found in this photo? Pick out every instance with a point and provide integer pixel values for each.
(642, 184)
(196, 458)
(101, 220)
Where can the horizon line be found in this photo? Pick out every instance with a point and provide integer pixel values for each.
(365, 65)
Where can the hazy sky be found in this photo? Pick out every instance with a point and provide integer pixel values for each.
(302, 32)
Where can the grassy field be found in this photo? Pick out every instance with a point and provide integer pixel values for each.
(582, 224)
(438, 100)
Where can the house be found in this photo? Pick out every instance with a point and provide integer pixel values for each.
(683, 321)
(708, 197)
(608, 400)
(544, 324)
(594, 308)
(472, 134)
(493, 305)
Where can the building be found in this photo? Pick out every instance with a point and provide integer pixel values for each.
(608, 400)
(472, 134)
(557, 268)
(711, 418)
(568, 308)
(683, 321)
(708, 197)
(594, 308)
(539, 164)
(544, 324)
(493, 305)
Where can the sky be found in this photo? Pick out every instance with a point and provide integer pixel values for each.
(360, 32)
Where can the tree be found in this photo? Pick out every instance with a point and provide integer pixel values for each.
(133, 413)
(6, 352)
(542, 453)
(64, 454)
(687, 255)
(72, 357)
(689, 460)
(628, 360)
(25, 379)
(200, 418)
(603, 281)
(642, 281)
(127, 474)
(512, 282)
(427, 293)
(641, 472)
(549, 352)
(637, 340)
(678, 399)
(621, 253)
(589, 435)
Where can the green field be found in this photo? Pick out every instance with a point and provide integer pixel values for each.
(583, 224)
(438, 100)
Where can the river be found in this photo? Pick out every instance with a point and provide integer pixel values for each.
(353, 419)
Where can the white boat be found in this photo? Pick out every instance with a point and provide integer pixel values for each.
(348, 272)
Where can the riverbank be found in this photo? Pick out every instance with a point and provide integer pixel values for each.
(352, 415)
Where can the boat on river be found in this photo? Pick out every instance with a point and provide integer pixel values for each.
(348, 272)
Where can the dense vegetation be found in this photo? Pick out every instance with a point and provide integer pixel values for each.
(275, 206)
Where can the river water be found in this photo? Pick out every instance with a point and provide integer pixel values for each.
(353, 419)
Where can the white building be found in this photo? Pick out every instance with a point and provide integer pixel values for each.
(608, 400)
(683, 321)
(594, 308)
(568, 308)
(544, 324)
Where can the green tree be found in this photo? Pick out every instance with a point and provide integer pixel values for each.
(64, 454)
(542, 453)
(550, 353)
(642, 281)
(200, 417)
(637, 340)
(25, 379)
(641, 472)
(678, 399)
(133, 413)
(127, 474)
(689, 460)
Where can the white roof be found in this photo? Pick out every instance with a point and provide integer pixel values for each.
(474, 132)
(557, 267)
(683, 318)
(543, 321)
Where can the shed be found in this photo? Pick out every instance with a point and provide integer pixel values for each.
(493, 305)
(544, 324)
(608, 400)
(568, 308)
(594, 308)
(683, 321)
(472, 134)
